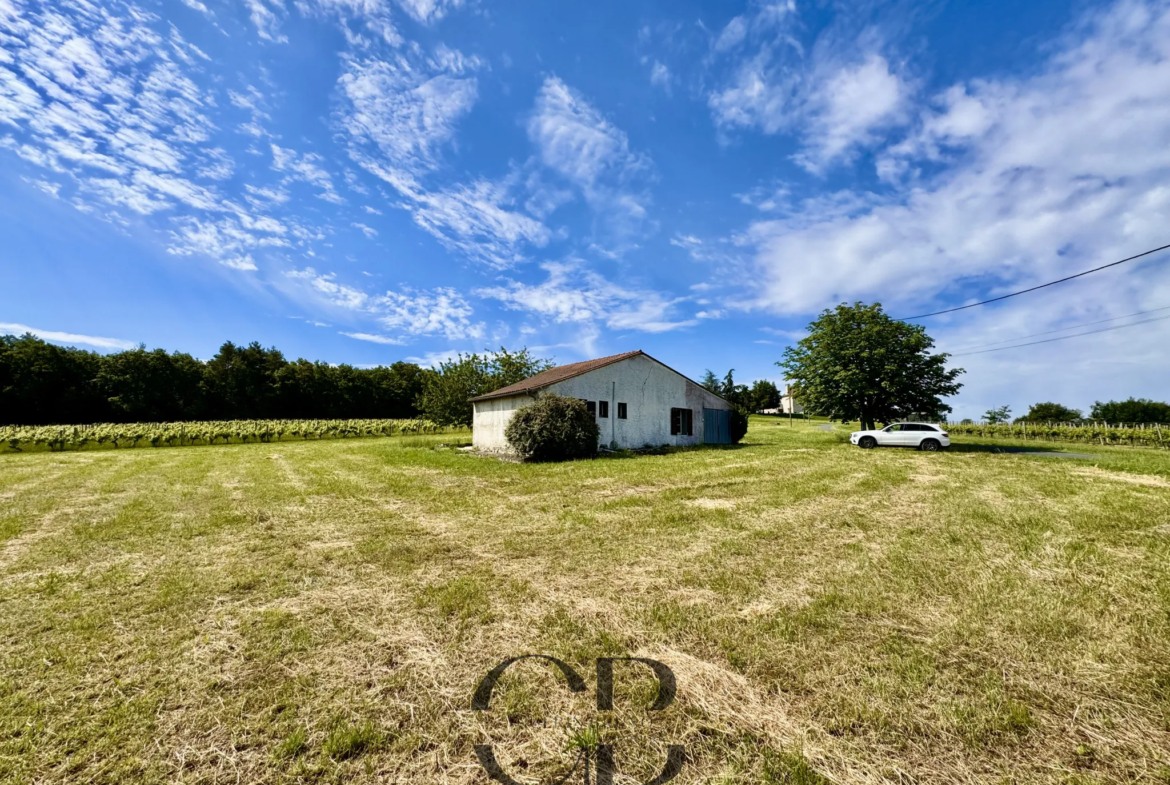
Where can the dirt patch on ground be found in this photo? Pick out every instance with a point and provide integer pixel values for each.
(712, 504)
(1133, 479)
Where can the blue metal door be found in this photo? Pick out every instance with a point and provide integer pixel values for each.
(716, 426)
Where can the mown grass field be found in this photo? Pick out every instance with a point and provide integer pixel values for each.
(322, 612)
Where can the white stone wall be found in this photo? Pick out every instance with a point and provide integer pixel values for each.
(788, 403)
(648, 388)
(489, 420)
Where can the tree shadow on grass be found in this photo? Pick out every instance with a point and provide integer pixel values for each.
(1040, 449)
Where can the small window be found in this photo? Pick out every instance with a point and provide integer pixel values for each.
(621, 411)
(603, 408)
(681, 423)
(592, 407)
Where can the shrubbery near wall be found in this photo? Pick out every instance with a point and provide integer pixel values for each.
(739, 424)
(554, 428)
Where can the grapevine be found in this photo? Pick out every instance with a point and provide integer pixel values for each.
(58, 438)
(1101, 433)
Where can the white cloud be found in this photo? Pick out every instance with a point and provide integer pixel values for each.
(373, 338)
(95, 93)
(849, 108)
(67, 338)
(732, 35)
(229, 240)
(399, 115)
(216, 164)
(572, 294)
(198, 6)
(409, 312)
(267, 17)
(475, 220)
(325, 286)
(575, 140)
(441, 311)
(435, 359)
(305, 168)
(429, 11)
(836, 103)
(407, 110)
(368, 231)
(660, 76)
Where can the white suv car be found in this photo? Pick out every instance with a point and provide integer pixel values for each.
(903, 434)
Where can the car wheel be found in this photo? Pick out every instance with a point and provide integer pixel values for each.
(867, 443)
(929, 445)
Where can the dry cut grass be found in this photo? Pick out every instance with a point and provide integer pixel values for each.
(322, 612)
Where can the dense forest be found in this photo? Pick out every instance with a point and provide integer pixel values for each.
(45, 384)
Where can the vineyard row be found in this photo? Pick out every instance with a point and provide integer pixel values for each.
(1133, 435)
(181, 434)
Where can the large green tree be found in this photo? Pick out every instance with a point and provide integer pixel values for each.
(43, 384)
(997, 415)
(764, 395)
(1135, 410)
(447, 392)
(142, 386)
(1050, 412)
(857, 363)
(242, 382)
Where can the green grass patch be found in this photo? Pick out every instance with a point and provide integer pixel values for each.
(321, 611)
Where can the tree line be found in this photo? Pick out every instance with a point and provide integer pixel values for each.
(1132, 410)
(762, 394)
(45, 384)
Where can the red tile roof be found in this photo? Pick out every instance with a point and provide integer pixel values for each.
(554, 375)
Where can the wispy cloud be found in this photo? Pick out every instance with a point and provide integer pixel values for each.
(576, 141)
(67, 338)
(307, 168)
(400, 114)
(429, 11)
(407, 110)
(267, 16)
(570, 293)
(373, 338)
(836, 103)
(441, 311)
(99, 97)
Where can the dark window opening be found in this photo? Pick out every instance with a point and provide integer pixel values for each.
(681, 423)
(592, 407)
(621, 411)
(603, 408)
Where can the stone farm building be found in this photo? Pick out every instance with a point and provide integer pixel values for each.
(637, 401)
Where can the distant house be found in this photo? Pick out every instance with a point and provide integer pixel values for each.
(636, 400)
(788, 403)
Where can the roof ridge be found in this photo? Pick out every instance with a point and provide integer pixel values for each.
(556, 374)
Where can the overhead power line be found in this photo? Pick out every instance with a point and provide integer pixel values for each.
(1062, 329)
(1034, 288)
(1065, 337)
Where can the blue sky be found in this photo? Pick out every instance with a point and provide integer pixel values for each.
(364, 181)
